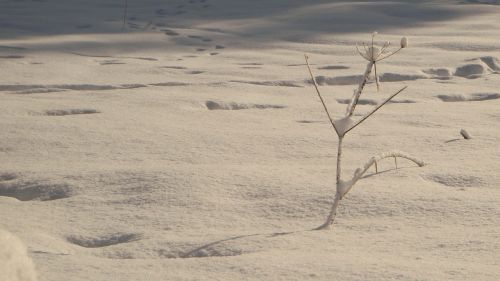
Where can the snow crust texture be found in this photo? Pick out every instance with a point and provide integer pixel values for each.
(188, 143)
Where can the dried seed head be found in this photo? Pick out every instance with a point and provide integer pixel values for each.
(404, 42)
(373, 53)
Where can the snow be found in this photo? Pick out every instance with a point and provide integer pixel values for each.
(15, 265)
(192, 145)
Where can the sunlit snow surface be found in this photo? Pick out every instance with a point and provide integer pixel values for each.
(191, 145)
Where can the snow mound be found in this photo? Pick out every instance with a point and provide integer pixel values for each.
(15, 265)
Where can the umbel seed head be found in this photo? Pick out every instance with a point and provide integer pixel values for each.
(404, 42)
(373, 53)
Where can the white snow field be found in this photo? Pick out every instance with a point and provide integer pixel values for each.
(15, 265)
(191, 145)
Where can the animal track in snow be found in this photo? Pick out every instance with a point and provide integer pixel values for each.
(7, 177)
(11, 57)
(169, 84)
(12, 186)
(250, 63)
(355, 79)
(456, 180)
(309, 121)
(473, 97)
(478, 67)
(471, 71)
(110, 62)
(491, 62)
(28, 89)
(63, 112)
(170, 32)
(330, 67)
(11, 47)
(173, 67)
(339, 80)
(213, 105)
(103, 241)
(396, 77)
(113, 57)
(360, 102)
(373, 102)
(439, 73)
(195, 37)
(269, 83)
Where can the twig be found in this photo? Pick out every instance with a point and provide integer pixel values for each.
(320, 97)
(375, 110)
(358, 174)
(361, 54)
(125, 12)
(391, 54)
(355, 98)
(386, 45)
(376, 76)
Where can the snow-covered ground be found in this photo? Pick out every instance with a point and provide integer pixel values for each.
(191, 145)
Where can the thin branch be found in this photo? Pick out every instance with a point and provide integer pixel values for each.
(125, 12)
(358, 174)
(375, 110)
(390, 55)
(386, 45)
(355, 98)
(361, 54)
(376, 77)
(319, 95)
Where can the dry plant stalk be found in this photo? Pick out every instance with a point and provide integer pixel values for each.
(125, 14)
(342, 126)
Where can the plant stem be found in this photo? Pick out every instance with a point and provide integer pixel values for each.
(339, 160)
(359, 90)
(338, 196)
(375, 110)
(319, 95)
(125, 12)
